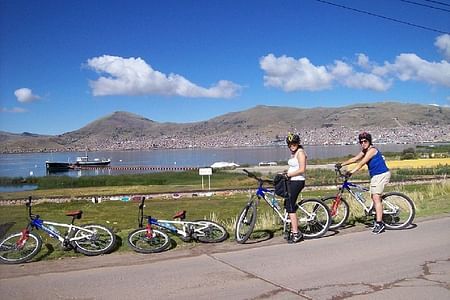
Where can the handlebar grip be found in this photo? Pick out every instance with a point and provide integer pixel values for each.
(250, 174)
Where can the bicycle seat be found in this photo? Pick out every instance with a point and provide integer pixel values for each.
(180, 214)
(76, 214)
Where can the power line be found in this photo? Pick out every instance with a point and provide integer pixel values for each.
(384, 17)
(438, 2)
(425, 5)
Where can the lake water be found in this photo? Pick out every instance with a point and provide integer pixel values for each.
(33, 164)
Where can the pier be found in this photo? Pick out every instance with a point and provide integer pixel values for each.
(137, 168)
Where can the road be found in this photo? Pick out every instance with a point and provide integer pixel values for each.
(350, 264)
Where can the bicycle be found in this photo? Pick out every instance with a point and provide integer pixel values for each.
(314, 216)
(152, 240)
(398, 209)
(88, 239)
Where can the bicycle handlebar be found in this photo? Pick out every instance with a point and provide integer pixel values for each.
(251, 175)
(28, 205)
(338, 170)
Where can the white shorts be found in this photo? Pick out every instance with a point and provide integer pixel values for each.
(378, 182)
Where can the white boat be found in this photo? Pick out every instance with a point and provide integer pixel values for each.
(224, 164)
(84, 161)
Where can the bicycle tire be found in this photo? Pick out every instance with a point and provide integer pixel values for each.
(102, 241)
(139, 242)
(11, 254)
(313, 218)
(341, 213)
(398, 210)
(214, 233)
(246, 222)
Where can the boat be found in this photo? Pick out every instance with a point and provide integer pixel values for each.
(224, 165)
(267, 164)
(57, 166)
(83, 161)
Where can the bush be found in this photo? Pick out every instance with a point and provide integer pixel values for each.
(408, 153)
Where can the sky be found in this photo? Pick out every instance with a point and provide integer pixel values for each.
(64, 64)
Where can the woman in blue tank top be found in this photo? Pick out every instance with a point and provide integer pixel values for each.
(378, 171)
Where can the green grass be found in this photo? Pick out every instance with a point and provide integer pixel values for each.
(430, 199)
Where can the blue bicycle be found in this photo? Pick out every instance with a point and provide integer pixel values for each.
(88, 239)
(398, 209)
(313, 215)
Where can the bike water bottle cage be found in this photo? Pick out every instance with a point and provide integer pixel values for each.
(180, 215)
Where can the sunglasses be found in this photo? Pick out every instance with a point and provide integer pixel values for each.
(363, 141)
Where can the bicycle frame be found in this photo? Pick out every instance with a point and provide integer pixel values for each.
(43, 225)
(39, 224)
(188, 228)
(261, 193)
(350, 187)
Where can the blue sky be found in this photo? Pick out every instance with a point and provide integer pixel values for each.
(64, 64)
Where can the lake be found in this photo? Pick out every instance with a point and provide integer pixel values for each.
(33, 164)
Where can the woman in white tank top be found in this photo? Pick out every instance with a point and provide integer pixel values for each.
(296, 175)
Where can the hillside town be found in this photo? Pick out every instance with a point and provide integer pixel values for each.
(319, 136)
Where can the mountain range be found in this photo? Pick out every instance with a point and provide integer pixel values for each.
(260, 125)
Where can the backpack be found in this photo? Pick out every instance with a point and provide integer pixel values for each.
(281, 186)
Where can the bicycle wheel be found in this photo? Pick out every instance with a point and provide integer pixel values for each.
(246, 222)
(339, 211)
(213, 233)
(94, 239)
(12, 253)
(313, 218)
(398, 210)
(141, 243)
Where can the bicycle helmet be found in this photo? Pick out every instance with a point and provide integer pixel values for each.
(292, 139)
(365, 136)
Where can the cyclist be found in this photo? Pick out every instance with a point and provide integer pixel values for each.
(378, 171)
(296, 174)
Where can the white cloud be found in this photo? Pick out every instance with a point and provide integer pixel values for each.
(443, 43)
(291, 75)
(133, 76)
(25, 95)
(409, 66)
(363, 61)
(13, 110)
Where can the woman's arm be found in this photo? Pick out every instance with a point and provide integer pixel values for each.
(354, 159)
(369, 154)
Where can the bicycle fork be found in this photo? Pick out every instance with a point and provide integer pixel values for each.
(335, 204)
(25, 234)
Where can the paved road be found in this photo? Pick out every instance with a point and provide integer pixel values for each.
(351, 264)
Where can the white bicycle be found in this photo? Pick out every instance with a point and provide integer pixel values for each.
(88, 239)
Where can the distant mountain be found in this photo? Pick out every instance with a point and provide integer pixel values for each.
(260, 125)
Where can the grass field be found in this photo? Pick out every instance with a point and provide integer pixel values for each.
(430, 199)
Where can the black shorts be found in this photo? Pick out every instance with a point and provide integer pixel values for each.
(295, 187)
